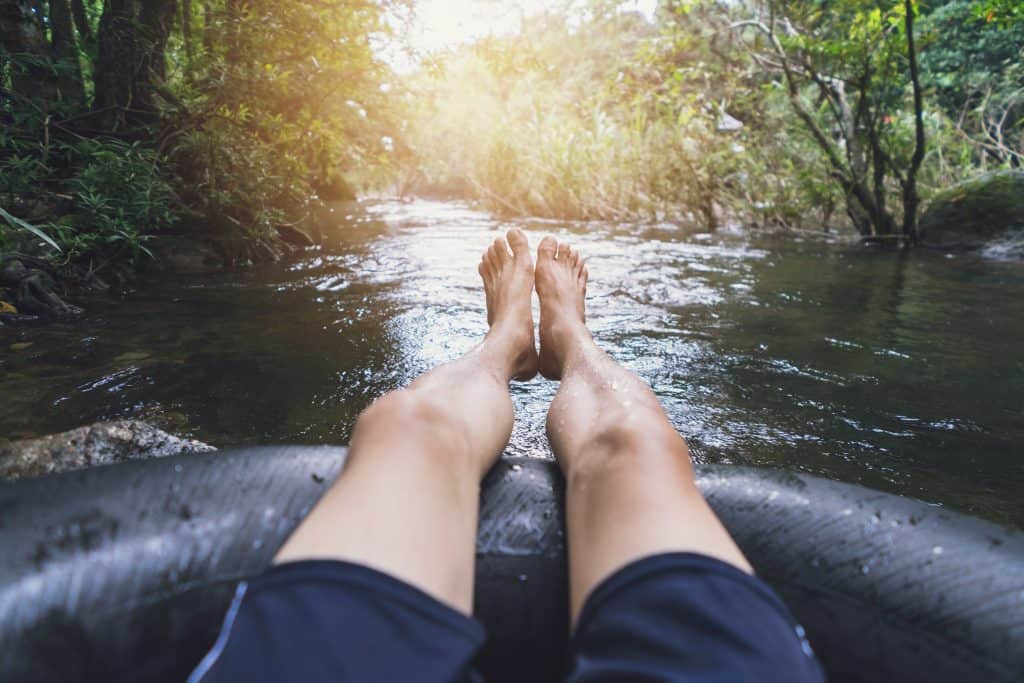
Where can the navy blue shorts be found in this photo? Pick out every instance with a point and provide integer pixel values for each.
(673, 617)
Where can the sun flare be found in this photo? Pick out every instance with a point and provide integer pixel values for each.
(441, 24)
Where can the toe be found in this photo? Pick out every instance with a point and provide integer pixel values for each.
(500, 248)
(483, 270)
(564, 253)
(494, 256)
(520, 246)
(547, 249)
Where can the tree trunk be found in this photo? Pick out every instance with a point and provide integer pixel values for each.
(114, 74)
(65, 53)
(132, 41)
(910, 198)
(209, 22)
(186, 31)
(233, 30)
(85, 34)
(155, 21)
(22, 33)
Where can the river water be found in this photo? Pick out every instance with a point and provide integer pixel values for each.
(795, 351)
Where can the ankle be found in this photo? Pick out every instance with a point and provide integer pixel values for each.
(511, 353)
(570, 340)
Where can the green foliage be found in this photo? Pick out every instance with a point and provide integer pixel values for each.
(234, 118)
(1006, 13)
(226, 119)
(602, 114)
(94, 199)
(530, 125)
(974, 65)
(276, 108)
(614, 117)
(16, 222)
(119, 197)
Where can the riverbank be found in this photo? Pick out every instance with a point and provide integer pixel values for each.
(38, 289)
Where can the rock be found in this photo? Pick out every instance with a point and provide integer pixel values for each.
(184, 255)
(11, 272)
(7, 308)
(34, 291)
(17, 319)
(293, 235)
(971, 214)
(20, 346)
(133, 357)
(98, 444)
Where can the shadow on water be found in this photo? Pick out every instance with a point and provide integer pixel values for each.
(898, 372)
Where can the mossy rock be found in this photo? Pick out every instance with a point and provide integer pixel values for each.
(976, 211)
(185, 255)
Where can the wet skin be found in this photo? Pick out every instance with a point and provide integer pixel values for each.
(407, 502)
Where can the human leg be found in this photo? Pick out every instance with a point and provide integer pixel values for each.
(630, 486)
(658, 589)
(407, 501)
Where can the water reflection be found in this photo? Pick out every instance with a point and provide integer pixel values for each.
(902, 373)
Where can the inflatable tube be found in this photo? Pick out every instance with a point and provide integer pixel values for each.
(123, 573)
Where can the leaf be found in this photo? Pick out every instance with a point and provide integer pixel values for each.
(18, 223)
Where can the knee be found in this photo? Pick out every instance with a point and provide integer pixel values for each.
(632, 443)
(407, 414)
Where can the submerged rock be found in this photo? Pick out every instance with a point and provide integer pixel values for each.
(973, 213)
(103, 443)
(34, 291)
(185, 255)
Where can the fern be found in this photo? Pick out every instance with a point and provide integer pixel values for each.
(24, 225)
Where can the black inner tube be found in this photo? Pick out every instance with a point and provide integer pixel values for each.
(123, 573)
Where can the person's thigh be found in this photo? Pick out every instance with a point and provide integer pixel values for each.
(328, 621)
(689, 618)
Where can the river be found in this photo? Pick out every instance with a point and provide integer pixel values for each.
(788, 350)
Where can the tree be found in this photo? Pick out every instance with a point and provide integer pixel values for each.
(846, 67)
(131, 60)
(65, 52)
(23, 38)
(972, 59)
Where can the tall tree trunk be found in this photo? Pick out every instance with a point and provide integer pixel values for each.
(910, 198)
(114, 74)
(132, 42)
(22, 33)
(186, 30)
(233, 30)
(155, 21)
(85, 34)
(65, 52)
(209, 24)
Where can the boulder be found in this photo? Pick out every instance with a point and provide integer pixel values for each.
(34, 291)
(103, 443)
(185, 255)
(971, 214)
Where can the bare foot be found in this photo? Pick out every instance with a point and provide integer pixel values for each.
(507, 270)
(561, 280)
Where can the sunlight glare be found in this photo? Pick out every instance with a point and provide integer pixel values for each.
(443, 24)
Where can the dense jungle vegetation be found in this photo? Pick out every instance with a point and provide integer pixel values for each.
(797, 113)
(125, 122)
